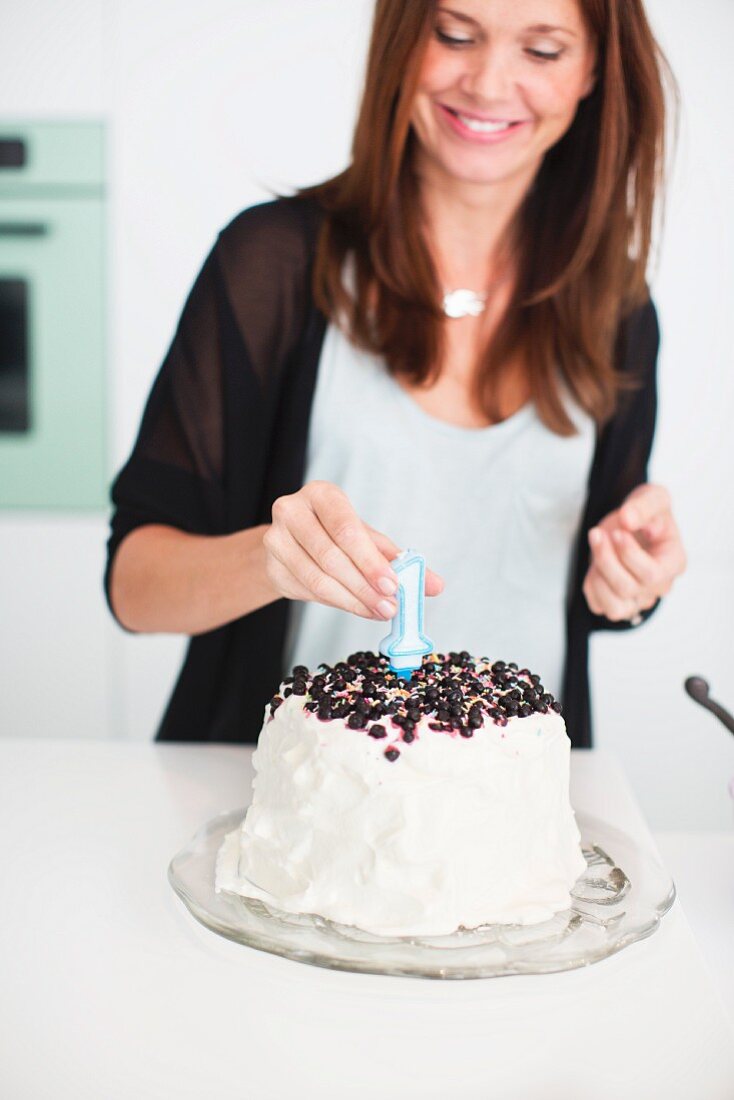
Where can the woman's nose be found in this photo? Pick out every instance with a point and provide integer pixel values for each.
(490, 77)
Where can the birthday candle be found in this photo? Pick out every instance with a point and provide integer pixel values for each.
(406, 644)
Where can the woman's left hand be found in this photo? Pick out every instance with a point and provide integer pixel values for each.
(636, 554)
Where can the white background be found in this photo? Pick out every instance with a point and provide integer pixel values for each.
(210, 109)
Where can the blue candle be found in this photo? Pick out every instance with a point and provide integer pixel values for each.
(406, 644)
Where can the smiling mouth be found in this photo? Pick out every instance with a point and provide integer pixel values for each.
(482, 126)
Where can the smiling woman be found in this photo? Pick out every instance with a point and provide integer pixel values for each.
(451, 344)
(535, 74)
(566, 175)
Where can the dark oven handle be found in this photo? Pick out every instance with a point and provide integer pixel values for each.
(23, 229)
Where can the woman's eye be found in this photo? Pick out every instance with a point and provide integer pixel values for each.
(449, 40)
(543, 55)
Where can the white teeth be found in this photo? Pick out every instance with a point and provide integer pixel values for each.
(483, 127)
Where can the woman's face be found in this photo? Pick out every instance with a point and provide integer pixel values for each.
(500, 84)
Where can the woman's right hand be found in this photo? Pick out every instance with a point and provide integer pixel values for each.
(317, 548)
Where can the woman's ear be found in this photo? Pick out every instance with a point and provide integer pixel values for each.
(590, 84)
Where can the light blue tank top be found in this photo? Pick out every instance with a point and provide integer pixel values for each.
(495, 511)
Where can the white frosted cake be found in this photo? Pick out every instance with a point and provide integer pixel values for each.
(409, 806)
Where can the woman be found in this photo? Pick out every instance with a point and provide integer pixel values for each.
(328, 391)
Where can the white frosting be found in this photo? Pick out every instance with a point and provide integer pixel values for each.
(455, 832)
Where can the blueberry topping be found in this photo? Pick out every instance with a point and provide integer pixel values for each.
(458, 692)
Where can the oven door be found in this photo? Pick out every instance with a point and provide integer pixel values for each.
(52, 363)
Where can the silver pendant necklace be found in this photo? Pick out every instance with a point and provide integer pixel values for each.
(463, 303)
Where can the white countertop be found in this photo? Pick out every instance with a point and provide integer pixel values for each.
(702, 866)
(110, 989)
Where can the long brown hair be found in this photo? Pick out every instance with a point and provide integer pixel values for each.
(582, 234)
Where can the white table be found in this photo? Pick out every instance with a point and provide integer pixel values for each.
(111, 991)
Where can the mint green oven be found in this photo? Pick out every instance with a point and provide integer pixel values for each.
(52, 315)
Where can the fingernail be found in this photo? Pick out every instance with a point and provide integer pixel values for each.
(388, 586)
(618, 537)
(386, 608)
(594, 536)
(632, 516)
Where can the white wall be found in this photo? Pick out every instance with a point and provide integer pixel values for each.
(207, 109)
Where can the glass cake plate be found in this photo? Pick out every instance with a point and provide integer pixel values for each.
(618, 900)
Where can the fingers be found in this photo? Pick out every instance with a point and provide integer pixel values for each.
(320, 549)
(623, 579)
(666, 546)
(434, 584)
(643, 505)
(342, 524)
(307, 529)
(307, 580)
(616, 576)
(641, 566)
(384, 543)
(320, 564)
(602, 599)
(326, 554)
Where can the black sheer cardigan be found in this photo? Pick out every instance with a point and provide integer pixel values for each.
(224, 434)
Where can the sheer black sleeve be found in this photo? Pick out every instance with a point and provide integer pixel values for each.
(625, 444)
(193, 465)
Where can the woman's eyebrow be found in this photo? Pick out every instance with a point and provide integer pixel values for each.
(546, 28)
(460, 15)
(537, 28)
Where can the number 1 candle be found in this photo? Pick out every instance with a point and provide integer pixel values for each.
(406, 644)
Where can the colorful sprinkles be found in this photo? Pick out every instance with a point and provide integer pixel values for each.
(456, 691)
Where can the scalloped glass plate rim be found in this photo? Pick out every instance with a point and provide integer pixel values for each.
(444, 962)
